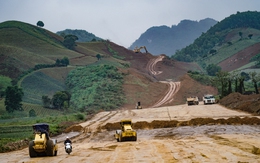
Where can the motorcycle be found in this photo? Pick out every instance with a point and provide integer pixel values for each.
(68, 148)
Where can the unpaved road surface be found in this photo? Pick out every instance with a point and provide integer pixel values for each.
(173, 87)
(225, 143)
(169, 96)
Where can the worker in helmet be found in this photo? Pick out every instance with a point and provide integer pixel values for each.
(67, 141)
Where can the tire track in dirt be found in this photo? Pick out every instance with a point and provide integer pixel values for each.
(151, 65)
(93, 126)
(172, 90)
(173, 86)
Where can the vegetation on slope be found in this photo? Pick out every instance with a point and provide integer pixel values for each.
(83, 36)
(38, 84)
(208, 43)
(95, 87)
(25, 46)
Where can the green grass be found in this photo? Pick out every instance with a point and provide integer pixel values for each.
(38, 84)
(20, 128)
(31, 44)
(227, 51)
(96, 87)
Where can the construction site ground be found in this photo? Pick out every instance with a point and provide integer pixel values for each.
(181, 133)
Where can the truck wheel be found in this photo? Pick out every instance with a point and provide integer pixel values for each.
(135, 138)
(120, 138)
(32, 152)
(50, 146)
(55, 153)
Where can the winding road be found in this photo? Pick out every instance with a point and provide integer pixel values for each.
(173, 87)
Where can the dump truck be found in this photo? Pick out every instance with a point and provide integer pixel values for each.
(138, 105)
(193, 100)
(126, 133)
(209, 99)
(42, 145)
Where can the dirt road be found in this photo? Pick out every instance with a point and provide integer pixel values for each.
(200, 143)
(152, 63)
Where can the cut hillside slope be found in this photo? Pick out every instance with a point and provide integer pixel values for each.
(240, 59)
(39, 46)
(190, 87)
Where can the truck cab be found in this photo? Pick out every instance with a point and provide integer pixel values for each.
(209, 99)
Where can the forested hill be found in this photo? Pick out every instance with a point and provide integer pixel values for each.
(83, 36)
(242, 26)
(166, 40)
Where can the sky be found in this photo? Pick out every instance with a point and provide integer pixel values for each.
(120, 21)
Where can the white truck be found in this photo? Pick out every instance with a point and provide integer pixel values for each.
(209, 99)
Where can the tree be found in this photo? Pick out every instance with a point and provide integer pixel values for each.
(32, 113)
(229, 43)
(59, 98)
(212, 69)
(13, 99)
(46, 101)
(65, 61)
(240, 34)
(98, 56)
(222, 77)
(255, 78)
(212, 51)
(241, 87)
(40, 24)
(250, 36)
(235, 76)
(69, 41)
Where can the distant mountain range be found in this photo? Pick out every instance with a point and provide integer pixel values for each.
(166, 40)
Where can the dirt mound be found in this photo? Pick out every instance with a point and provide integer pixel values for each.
(74, 128)
(15, 145)
(193, 122)
(247, 103)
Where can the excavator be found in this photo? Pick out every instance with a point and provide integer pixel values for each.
(138, 50)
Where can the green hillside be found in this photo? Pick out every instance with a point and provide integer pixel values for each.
(22, 46)
(26, 46)
(223, 40)
(83, 36)
(38, 84)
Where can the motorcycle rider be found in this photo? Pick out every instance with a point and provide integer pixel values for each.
(68, 141)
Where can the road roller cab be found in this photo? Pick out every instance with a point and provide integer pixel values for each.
(42, 145)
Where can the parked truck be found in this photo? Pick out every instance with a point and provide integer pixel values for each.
(209, 99)
(126, 133)
(193, 100)
(42, 145)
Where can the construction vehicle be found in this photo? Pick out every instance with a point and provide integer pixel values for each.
(126, 133)
(193, 100)
(209, 99)
(138, 50)
(42, 145)
(138, 105)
